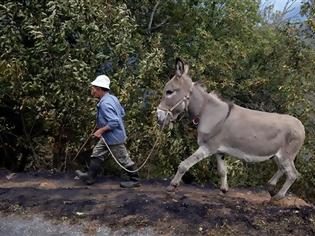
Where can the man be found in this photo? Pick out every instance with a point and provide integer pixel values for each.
(110, 127)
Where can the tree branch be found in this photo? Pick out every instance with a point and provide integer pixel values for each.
(288, 7)
(29, 141)
(159, 25)
(152, 15)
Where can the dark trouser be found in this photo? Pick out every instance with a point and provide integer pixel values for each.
(119, 150)
(99, 153)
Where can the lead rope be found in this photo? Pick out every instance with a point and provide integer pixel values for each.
(121, 166)
(168, 112)
(133, 171)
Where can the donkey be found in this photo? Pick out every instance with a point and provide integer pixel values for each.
(226, 128)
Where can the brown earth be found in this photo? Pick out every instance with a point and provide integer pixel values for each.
(193, 210)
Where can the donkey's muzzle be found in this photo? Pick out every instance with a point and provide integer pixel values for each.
(161, 117)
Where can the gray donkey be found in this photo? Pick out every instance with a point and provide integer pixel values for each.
(226, 128)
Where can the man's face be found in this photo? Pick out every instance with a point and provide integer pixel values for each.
(96, 91)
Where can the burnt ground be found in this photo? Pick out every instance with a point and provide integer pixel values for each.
(193, 210)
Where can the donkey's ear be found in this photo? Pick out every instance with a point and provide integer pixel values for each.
(186, 69)
(180, 67)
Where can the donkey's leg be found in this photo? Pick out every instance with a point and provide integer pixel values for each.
(291, 173)
(201, 153)
(271, 185)
(222, 172)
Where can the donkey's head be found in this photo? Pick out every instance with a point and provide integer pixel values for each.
(176, 95)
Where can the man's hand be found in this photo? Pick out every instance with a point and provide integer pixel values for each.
(98, 133)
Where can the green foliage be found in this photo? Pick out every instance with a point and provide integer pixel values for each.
(308, 10)
(51, 50)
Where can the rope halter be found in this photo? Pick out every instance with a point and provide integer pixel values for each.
(184, 100)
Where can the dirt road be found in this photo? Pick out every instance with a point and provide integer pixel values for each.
(104, 208)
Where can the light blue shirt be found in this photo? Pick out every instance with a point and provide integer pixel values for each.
(110, 113)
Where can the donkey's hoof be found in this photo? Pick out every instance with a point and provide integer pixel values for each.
(171, 188)
(224, 190)
(271, 189)
(276, 197)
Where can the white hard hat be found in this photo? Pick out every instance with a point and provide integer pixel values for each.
(101, 81)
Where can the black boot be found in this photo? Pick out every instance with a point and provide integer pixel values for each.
(90, 177)
(134, 178)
